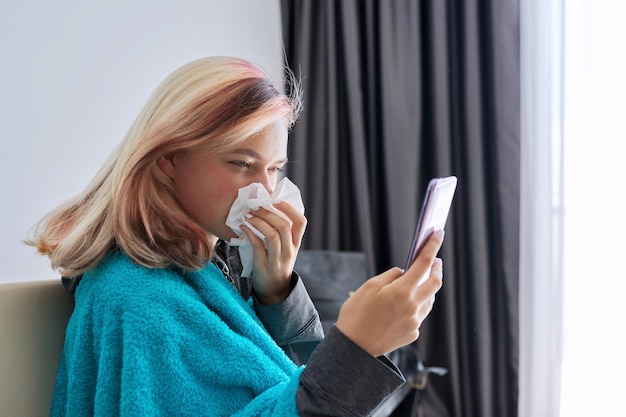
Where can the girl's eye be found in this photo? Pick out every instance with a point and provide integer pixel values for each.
(242, 164)
(249, 166)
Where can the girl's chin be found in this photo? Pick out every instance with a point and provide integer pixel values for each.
(227, 236)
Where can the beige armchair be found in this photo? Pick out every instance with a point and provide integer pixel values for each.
(33, 317)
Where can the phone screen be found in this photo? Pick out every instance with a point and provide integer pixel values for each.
(433, 214)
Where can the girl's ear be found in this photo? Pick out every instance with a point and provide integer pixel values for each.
(167, 164)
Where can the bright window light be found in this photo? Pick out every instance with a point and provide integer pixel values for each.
(594, 283)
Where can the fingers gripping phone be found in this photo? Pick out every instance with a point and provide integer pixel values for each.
(433, 214)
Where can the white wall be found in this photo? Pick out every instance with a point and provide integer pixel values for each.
(73, 76)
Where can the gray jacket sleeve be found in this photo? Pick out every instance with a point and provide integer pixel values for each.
(340, 378)
(294, 324)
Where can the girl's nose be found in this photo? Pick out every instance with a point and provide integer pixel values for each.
(267, 181)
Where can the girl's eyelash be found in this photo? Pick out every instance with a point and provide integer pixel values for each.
(245, 164)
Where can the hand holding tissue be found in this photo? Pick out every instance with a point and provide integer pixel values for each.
(251, 197)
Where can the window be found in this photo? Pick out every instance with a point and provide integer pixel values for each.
(594, 279)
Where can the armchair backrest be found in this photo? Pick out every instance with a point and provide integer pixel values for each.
(329, 277)
(33, 317)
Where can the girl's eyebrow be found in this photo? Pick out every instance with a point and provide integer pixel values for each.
(247, 151)
(254, 154)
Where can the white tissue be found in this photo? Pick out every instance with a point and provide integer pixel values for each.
(252, 197)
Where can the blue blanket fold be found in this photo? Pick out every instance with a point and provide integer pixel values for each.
(156, 342)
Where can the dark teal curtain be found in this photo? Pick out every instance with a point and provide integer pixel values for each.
(397, 92)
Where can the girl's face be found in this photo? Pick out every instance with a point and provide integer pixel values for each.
(206, 185)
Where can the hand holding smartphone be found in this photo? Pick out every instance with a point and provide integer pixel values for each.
(433, 214)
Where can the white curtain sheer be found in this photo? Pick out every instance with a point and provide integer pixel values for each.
(541, 207)
(594, 363)
(572, 283)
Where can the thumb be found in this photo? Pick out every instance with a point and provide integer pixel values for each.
(424, 261)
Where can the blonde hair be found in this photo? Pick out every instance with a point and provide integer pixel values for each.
(210, 104)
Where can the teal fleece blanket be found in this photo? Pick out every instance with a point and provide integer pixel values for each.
(160, 342)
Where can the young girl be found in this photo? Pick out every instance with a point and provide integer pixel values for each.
(164, 324)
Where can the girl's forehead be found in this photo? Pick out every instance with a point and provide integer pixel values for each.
(270, 143)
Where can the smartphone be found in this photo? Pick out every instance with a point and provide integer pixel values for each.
(433, 214)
